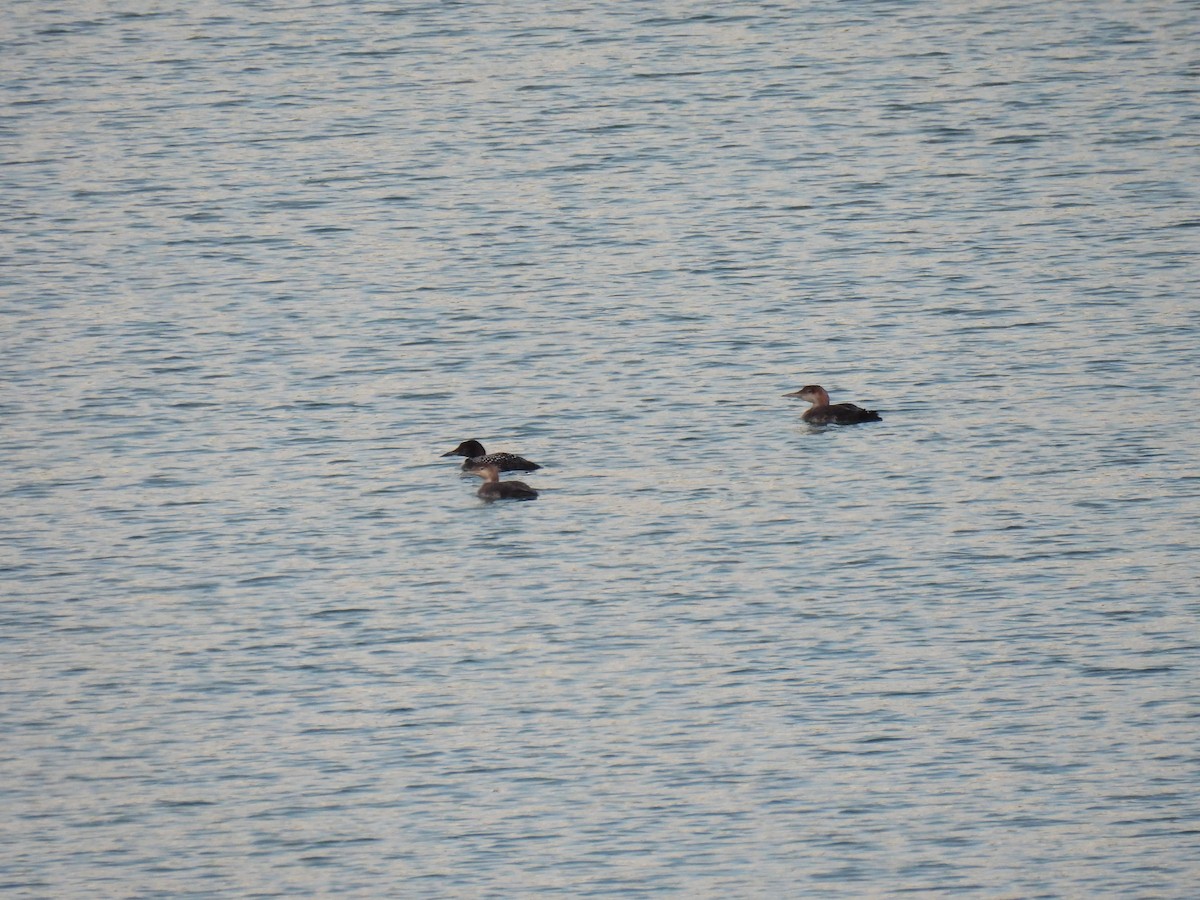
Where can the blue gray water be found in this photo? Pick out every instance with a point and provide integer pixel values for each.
(262, 264)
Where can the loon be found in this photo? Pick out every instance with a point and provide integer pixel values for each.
(823, 412)
(504, 462)
(495, 489)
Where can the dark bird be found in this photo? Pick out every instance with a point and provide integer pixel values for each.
(477, 456)
(495, 489)
(822, 412)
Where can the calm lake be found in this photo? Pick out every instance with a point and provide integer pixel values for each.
(262, 264)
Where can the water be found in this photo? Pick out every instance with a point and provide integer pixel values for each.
(263, 264)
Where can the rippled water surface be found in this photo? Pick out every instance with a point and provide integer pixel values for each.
(260, 265)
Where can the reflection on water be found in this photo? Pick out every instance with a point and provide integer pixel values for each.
(262, 267)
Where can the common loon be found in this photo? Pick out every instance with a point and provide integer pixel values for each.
(495, 489)
(504, 462)
(823, 412)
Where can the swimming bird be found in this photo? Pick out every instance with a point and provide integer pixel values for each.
(822, 412)
(495, 489)
(476, 455)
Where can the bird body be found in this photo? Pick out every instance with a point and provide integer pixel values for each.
(495, 489)
(477, 456)
(822, 412)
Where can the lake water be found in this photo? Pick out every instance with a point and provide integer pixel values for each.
(262, 264)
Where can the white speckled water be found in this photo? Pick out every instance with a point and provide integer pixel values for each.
(261, 265)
